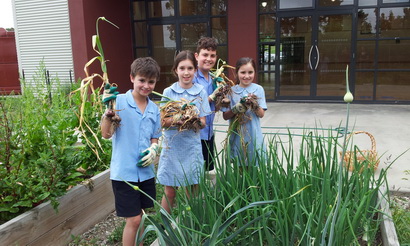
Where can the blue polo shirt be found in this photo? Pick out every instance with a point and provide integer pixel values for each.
(208, 131)
(132, 137)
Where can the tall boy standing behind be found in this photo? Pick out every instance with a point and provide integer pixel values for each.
(206, 58)
(135, 145)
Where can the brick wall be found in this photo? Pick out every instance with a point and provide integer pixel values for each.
(9, 77)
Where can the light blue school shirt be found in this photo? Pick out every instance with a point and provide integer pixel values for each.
(251, 131)
(132, 137)
(181, 162)
(208, 131)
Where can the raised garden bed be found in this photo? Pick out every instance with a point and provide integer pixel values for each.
(388, 231)
(81, 208)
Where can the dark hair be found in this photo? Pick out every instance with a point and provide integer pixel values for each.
(145, 66)
(243, 61)
(182, 56)
(206, 43)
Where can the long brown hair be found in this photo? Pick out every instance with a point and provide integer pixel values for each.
(182, 56)
(243, 61)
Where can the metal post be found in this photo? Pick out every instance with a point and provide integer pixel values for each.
(48, 85)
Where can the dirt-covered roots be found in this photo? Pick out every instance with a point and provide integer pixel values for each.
(184, 115)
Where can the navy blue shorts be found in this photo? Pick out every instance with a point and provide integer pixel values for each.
(129, 202)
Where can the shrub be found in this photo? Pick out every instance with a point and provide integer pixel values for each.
(40, 149)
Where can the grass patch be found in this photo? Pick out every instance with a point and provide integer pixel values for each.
(401, 218)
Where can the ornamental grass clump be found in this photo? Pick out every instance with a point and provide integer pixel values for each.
(286, 200)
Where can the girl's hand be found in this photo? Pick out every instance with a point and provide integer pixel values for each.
(239, 107)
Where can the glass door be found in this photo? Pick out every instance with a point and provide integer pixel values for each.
(313, 51)
(334, 47)
(294, 52)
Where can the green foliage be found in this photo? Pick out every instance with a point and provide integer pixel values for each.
(401, 218)
(286, 200)
(40, 149)
(116, 235)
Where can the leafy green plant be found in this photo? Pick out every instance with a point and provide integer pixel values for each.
(401, 218)
(40, 147)
(116, 235)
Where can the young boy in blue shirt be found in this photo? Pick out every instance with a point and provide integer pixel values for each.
(134, 145)
(206, 58)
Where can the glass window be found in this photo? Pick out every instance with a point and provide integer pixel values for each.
(267, 5)
(162, 8)
(266, 28)
(365, 54)
(291, 4)
(190, 33)
(141, 52)
(394, 23)
(394, 54)
(163, 49)
(364, 86)
(139, 10)
(189, 7)
(218, 7)
(395, 1)
(392, 86)
(140, 30)
(366, 24)
(218, 26)
(333, 3)
(367, 2)
(159, 28)
(267, 81)
(268, 55)
(222, 52)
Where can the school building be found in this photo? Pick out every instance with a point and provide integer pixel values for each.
(302, 47)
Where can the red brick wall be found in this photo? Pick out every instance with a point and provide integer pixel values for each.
(9, 77)
(242, 28)
(117, 43)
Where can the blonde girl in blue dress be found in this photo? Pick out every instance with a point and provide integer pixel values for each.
(181, 162)
(246, 142)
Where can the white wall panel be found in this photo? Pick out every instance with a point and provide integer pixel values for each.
(43, 34)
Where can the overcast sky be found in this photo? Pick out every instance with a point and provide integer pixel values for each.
(6, 14)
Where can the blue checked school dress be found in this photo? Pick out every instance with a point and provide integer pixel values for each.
(247, 143)
(181, 161)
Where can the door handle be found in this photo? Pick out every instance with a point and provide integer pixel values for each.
(318, 57)
(310, 56)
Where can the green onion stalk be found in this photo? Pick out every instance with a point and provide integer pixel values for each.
(348, 98)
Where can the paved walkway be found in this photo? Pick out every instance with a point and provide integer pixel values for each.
(389, 124)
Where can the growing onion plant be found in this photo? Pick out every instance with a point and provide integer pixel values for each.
(286, 200)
